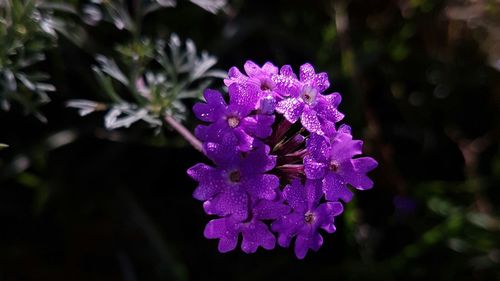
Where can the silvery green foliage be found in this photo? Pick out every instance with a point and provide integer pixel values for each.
(116, 11)
(26, 31)
(149, 81)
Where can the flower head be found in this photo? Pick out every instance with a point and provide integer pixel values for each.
(273, 176)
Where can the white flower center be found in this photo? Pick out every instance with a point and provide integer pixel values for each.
(309, 217)
(334, 166)
(308, 95)
(233, 121)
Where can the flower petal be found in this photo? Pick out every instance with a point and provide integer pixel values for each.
(344, 147)
(318, 148)
(213, 109)
(287, 227)
(306, 73)
(262, 186)
(326, 213)
(258, 161)
(251, 68)
(235, 76)
(221, 229)
(270, 68)
(295, 195)
(313, 169)
(310, 121)
(268, 210)
(210, 181)
(245, 96)
(313, 193)
(320, 81)
(291, 108)
(335, 188)
(229, 202)
(224, 154)
(256, 234)
(304, 243)
(258, 126)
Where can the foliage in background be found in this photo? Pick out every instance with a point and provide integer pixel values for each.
(419, 80)
(26, 33)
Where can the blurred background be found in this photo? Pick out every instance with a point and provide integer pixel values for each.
(93, 183)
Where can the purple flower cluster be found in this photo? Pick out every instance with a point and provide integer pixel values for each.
(274, 176)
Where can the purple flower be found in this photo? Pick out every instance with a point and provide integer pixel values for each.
(259, 76)
(235, 119)
(228, 188)
(255, 232)
(332, 162)
(305, 100)
(307, 217)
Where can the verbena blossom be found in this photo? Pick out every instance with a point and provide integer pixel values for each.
(307, 216)
(229, 187)
(235, 119)
(272, 178)
(330, 160)
(305, 101)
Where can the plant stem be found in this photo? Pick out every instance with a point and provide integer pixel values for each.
(185, 133)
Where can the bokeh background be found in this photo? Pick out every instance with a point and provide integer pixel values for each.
(420, 81)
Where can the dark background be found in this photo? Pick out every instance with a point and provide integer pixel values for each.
(419, 86)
